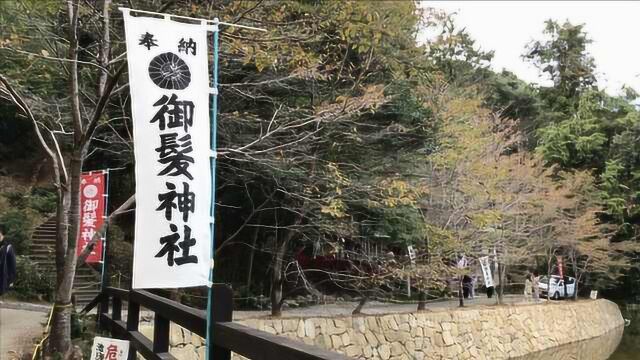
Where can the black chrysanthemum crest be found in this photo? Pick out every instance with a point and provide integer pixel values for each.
(169, 71)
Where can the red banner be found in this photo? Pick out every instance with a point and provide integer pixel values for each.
(92, 211)
(560, 266)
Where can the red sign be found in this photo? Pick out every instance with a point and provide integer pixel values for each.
(560, 266)
(92, 204)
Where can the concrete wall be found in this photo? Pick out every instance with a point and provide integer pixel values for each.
(471, 333)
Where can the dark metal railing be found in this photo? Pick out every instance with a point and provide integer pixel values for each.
(227, 336)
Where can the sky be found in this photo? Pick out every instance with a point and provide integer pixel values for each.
(507, 26)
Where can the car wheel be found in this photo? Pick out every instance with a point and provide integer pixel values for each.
(556, 296)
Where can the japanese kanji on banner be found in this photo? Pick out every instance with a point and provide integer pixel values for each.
(109, 349)
(169, 82)
(486, 271)
(92, 213)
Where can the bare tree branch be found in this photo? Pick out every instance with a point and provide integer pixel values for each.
(105, 47)
(74, 89)
(19, 101)
(122, 209)
(102, 103)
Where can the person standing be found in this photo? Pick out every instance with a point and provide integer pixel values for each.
(536, 286)
(528, 287)
(474, 280)
(466, 286)
(490, 291)
(7, 263)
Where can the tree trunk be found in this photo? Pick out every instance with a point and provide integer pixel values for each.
(277, 281)
(252, 253)
(460, 293)
(501, 277)
(422, 300)
(361, 303)
(276, 290)
(66, 258)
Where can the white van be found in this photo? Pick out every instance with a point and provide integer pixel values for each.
(556, 286)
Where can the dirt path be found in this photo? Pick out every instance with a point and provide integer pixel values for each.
(374, 307)
(18, 328)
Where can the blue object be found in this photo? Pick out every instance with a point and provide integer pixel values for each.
(214, 147)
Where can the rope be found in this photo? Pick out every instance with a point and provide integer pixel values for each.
(46, 331)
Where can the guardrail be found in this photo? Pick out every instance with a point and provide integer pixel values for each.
(227, 336)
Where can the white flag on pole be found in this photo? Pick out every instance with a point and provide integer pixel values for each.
(486, 271)
(169, 83)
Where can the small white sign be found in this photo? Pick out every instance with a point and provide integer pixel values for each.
(594, 294)
(109, 349)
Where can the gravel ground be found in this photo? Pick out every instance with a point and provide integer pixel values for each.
(374, 307)
(18, 328)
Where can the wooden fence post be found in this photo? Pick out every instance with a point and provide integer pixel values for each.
(133, 319)
(222, 312)
(103, 308)
(161, 333)
(116, 308)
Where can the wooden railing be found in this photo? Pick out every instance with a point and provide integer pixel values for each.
(227, 336)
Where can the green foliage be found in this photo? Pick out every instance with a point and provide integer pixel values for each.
(579, 127)
(613, 189)
(19, 224)
(25, 210)
(43, 200)
(404, 225)
(564, 57)
(455, 53)
(577, 142)
(336, 119)
(512, 97)
(32, 283)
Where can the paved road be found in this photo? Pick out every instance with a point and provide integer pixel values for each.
(345, 308)
(18, 328)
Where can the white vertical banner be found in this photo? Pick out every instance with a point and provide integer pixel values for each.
(412, 254)
(486, 271)
(462, 262)
(169, 83)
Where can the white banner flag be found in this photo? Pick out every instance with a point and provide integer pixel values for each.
(486, 271)
(169, 82)
(412, 254)
(109, 349)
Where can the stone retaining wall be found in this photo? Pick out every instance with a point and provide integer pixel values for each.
(488, 332)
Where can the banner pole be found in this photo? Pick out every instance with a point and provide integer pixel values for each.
(214, 147)
(106, 228)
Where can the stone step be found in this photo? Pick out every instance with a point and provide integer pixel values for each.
(93, 289)
(85, 298)
(40, 244)
(42, 235)
(51, 240)
(43, 251)
(45, 237)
